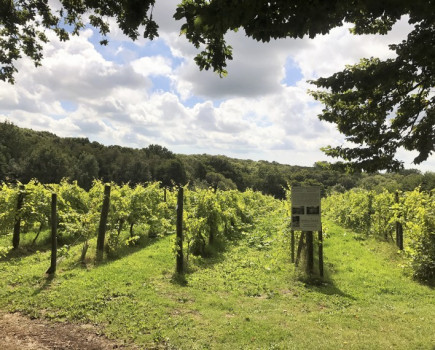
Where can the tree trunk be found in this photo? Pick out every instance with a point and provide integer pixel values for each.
(39, 232)
(131, 229)
(84, 251)
(121, 224)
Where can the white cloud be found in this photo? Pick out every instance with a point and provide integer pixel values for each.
(329, 53)
(156, 65)
(251, 113)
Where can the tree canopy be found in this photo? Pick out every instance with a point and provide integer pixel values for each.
(379, 105)
(384, 105)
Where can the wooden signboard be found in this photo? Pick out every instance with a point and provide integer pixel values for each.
(305, 203)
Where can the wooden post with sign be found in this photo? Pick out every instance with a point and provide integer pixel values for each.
(305, 204)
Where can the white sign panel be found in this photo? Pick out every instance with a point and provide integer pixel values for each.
(306, 208)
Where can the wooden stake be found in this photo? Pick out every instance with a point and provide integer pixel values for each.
(103, 223)
(17, 226)
(52, 269)
(321, 253)
(292, 245)
(300, 246)
(399, 228)
(180, 265)
(310, 252)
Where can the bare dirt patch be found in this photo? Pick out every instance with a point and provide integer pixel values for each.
(18, 332)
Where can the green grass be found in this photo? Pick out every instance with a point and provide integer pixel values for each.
(248, 296)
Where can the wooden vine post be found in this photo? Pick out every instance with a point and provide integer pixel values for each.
(321, 253)
(399, 227)
(369, 214)
(179, 242)
(17, 225)
(310, 252)
(52, 269)
(301, 245)
(292, 245)
(103, 223)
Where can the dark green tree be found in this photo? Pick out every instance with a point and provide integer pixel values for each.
(219, 181)
(157, 151)
(428, 182)
(86, 170)
(171, 171)
(47, 164)
(200, 171)
(3, 164)
(138, 172)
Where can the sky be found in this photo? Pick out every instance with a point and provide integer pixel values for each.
(151, 92)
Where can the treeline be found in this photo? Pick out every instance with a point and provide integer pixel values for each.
(26, 154)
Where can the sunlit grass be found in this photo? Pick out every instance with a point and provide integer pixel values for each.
(247, 296)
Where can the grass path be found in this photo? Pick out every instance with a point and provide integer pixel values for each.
(247, 297)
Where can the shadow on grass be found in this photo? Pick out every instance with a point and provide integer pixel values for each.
(179, 279)
(126, 250)
(23, 252)
(46, 284)
(27, 247)
(328, 288)
(211, 255)
(324, 285)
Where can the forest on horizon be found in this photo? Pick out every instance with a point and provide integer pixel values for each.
(26, 154)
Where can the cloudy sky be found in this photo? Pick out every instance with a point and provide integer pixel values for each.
(138, 93)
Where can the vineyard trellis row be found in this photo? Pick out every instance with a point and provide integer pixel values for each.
(377, 214)
(209, 215)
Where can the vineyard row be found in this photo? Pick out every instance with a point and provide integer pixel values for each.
(143, 210)
(378, 214)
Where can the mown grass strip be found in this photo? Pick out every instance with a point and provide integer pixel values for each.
(246, 297)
